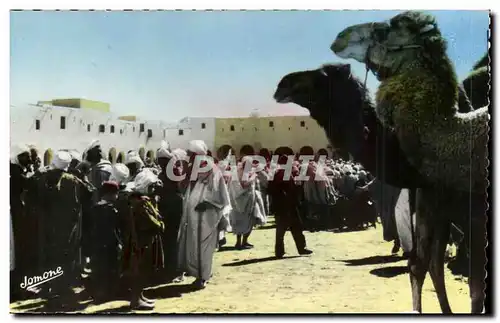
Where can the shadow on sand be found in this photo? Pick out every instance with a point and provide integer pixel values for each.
(390, 272)
(170, 291)
(267, 227)
(373, 260)
(255, 261)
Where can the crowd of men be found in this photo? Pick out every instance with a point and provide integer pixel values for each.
(123, 224)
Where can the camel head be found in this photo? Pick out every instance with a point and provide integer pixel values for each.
(334, 97)
(388, 47)
(311, 89)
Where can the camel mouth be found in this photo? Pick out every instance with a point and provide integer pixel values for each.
(283, 97)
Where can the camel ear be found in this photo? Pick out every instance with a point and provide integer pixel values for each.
(426, 28)
(346, 68)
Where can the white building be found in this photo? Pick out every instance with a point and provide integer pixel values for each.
(50, 128)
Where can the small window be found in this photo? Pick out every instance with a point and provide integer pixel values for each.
(302, 123)
(51, 117)
(133, 128)
(74, 119)
(164, 133)
(271, 123)
(242, 128)
(232, 128)
(289, 128)
(63, 122)
(37, 124)
(141, 127)
(102, 128)
(181, 132)
(150, 133)
(255, 128)
(88, 128)
(203, 125)
(112, 129)
(222, 129)
(121, 131)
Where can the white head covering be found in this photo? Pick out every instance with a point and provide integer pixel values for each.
(164, 151)
(179, 154)
(247, 159)
(17, 150)
(198, 147)
(61, 160)
(143, 180)
(119, 173)
(133, 157)
(94, 143)
(75, 155)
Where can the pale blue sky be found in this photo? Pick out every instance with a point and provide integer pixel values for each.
(167, 65)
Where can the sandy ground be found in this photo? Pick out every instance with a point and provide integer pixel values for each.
(350, 272)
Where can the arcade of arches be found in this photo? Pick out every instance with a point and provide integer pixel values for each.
(221, 153)
(245, 150)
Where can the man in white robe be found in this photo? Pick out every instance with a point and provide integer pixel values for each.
(247, 205)
(205, 201)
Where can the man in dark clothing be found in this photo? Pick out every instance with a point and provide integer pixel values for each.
(170, 207)
(100, 171)
(285, 197)
(106, 244)
(144, 250)
(19, 164)
(60, 222)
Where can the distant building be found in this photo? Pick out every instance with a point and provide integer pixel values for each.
(79, 104)
(74, 123)
(300, 134)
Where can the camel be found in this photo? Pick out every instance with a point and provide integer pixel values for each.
(336, 99)
(417, 97)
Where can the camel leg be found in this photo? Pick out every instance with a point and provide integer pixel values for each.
(477, 272)
(418, 262)
(436, 269)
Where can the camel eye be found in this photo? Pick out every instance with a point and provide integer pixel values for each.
(380, 33)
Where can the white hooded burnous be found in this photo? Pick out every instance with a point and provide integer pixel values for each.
(205, 208)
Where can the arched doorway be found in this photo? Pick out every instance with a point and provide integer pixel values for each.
(323, 152)
(47, 157)
(112, 155)
(142, 152)
(306, 150)
(121, 157)
(247, 150)
(264, 152)
(150, 154)
(283, 151)
(223, 151)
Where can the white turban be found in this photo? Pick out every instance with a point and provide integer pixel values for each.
(75, 155)
(17, 150)
(198, 147)
(247, 159)
(164, 151)
(120, 173)
(179, 154)
(61, 160)
(134, 158)
(94, 143)
(143, 180)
